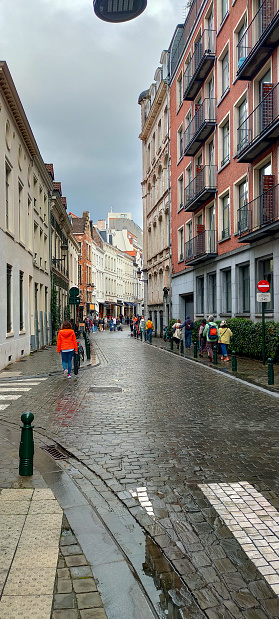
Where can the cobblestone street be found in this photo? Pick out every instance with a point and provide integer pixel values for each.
(175, 442)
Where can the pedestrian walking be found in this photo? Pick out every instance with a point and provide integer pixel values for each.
(114, 323)
(141, 325)
(149, 328)
(67, 345)
(225, 338)
(202, 338)
(177, 333)
(212, 335)
(189, 326)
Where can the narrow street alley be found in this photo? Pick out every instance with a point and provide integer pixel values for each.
(179, 462)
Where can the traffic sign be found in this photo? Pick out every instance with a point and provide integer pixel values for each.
(263, 285)
(263, 297)
(74, 298)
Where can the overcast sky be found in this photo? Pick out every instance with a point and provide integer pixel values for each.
(79, 80)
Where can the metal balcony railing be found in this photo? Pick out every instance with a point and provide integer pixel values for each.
(59, 264)
(260, 213)
(249, 54)
(200, 126)
(200, 64)
(201, 246)
(185, 33)
(201, 187)
(260, 123)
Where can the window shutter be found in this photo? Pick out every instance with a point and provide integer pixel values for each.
(267, 105)
(268, 198)
(200, 239)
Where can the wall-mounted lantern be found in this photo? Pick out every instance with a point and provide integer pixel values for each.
(118, 10)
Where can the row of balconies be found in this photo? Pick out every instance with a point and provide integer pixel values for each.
(256, 219)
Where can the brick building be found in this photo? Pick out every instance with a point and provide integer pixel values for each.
(82, 233)
(224, 127)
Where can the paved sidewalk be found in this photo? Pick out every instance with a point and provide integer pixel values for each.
(250, 370)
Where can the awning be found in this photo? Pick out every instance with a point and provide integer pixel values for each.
(120, 303)
(128, 304)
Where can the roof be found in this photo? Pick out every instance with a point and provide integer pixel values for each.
(78, 225)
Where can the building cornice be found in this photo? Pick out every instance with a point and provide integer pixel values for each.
(156, 105)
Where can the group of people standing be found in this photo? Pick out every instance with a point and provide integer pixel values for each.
(209, 335)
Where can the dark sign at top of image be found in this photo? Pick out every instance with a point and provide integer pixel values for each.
(118, 10)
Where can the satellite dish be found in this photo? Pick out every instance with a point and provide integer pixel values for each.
(118, 10)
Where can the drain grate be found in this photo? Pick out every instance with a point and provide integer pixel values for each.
(55, 453)
(106, 389)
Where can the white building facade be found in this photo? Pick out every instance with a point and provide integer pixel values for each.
(25, 190)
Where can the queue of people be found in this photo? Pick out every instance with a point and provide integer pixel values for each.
(209, 335)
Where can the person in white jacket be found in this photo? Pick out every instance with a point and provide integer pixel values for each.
(177, 332)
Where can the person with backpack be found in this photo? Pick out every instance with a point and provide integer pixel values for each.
(189, 326)
(202, 339)
(212, 335)
(149, 328)
(224, 341)
(177, 332)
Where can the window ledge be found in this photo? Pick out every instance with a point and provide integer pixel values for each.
(179, 160)
(223, 166)
(228, 314)
(267, 313)
(179, 107)
(223, 240)
(181, 208)
(10, 234)
(23, 332)
(11, 334)
(223, 96)
(222, 22)
(243, 315)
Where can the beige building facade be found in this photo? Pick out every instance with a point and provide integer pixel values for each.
(156, 199)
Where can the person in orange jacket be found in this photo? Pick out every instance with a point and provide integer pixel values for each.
(66, 345)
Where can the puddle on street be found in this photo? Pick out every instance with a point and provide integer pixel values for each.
(174, 597)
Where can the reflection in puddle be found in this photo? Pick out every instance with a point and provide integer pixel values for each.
(176, 600)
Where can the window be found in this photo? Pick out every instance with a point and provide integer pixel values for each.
(226, 216)
(159, 134)
(265, 271)
(200, 295)
(9, 298)
(227, 291)
(224, 9)
(212, 293)
(8, 196)
(180, 244)
(242, 41)
(243, 219)
(244, 288)
(180, 197)
(243, 125)
(21, 321)
(225, 73)
(179, 91)
(180, 143)
(225, 143)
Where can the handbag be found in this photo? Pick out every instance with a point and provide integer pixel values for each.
(76, 363)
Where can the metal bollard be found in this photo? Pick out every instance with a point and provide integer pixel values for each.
(234, 361)
(145, 336)
(26, 447)
(182, 347)
(87, 346)
(150, 337)
(195, 350)
(270, 371)
(141, 335)
(171, 343)
(215, 358)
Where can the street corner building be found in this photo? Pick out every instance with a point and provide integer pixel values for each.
(223, 128)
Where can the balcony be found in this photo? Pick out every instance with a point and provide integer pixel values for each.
(258, 41)
(200, 127)
(201, 188)
(200, 64)
(201, 248)
(59, 264)
(260, 217)
(261, 129)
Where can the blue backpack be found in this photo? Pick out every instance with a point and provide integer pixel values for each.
(212, 332)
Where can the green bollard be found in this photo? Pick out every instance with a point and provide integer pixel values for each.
(182, 346)
(145, 336)
(234, 361)
(215, 359)
(171, 343)
(150, 337)
(141, 335)
(26, 447)
(270, 371)
(195, 350)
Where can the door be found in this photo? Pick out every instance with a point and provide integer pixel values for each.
(199, 176)
(211, 100)
(210, 34)
(211, 232)
(267, 195)
(200, 236)
(265, 114)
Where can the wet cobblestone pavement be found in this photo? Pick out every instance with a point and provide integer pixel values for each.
(165, 430)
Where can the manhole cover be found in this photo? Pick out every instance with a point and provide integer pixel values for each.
(57, 455)
(106, 389)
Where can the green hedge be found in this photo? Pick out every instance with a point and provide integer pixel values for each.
(247, 337)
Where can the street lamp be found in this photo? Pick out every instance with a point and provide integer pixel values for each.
(139, 272)
(117, 11)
